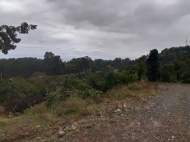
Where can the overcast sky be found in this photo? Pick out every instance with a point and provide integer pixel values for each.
(98, 28)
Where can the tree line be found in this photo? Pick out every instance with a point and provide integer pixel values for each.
(53, 65)
(171, 65)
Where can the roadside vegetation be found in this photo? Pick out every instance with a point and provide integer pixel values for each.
(42, 118)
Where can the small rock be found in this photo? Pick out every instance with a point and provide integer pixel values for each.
(61, 133)
(138, 123)
(26, 133)
(68, 128)
(173, 137)
(38, 126)
(118, 110)
(74, 127)
(38, 138)
(147, 107)
(125, 105)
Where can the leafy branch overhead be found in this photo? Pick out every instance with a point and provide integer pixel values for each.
(8, 35)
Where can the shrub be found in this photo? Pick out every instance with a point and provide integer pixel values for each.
(132, 78)
(134, 87)
(165, 77)
(9, 92)
(73, 105)
(72, 86)
(186, 77)
(37, 109)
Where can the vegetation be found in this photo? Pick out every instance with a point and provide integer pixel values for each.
(153, 68)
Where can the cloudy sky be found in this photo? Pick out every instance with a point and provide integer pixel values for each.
(98, 28)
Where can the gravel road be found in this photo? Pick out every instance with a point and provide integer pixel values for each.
(162, 118)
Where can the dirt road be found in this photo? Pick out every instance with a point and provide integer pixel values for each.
(165, 117)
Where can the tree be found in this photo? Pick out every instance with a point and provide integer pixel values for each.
(85, 62)
(140, 70)
(153, 67)
(165, 76)
(53, 64)
(8, 35)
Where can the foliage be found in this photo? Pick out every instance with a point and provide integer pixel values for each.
(8, 36)
(73, 105)
(111, 80)
(186, 77)
(9, 92)
(165, 76)
(53, 64)
(25, 87)
(140, 70)
(72, 86)
(37, 109)
(153, 67)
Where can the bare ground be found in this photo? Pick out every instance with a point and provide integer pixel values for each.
(165, 117)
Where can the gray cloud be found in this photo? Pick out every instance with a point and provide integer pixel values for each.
(100, 29)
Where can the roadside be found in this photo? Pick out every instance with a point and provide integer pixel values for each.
(160, 118)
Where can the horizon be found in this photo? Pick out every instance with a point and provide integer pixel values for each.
(101, 29)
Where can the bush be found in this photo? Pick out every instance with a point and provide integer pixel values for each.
(72, 86)
(9, 92)
(73, 105)
(186, 77)
(37, 109)
(111, 80)
(134, 87)
(165, 77)
(132, 78)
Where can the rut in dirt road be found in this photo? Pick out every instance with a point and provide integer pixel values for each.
(165, 117)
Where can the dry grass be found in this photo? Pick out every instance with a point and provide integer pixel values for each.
(72, 107)
(138, 89)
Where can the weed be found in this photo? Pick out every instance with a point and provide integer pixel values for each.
(134, 87)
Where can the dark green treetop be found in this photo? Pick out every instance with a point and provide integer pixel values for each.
(8, 35)
(153, 67)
